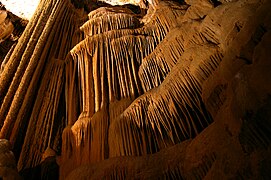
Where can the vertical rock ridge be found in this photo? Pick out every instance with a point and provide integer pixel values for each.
(38, 65)
(11, 67)
(43, 115)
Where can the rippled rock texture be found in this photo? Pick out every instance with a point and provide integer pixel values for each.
(176, 90)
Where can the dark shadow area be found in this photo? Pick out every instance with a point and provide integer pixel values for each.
(47, 170)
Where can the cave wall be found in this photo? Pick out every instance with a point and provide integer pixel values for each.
(223, 51)
(110, 92)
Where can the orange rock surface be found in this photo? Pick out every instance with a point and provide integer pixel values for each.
(170, 90)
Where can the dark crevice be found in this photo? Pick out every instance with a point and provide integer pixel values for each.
(216, 3)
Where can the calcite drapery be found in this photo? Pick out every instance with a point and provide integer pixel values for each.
(107, 62)
(136, 85)
(198, 69)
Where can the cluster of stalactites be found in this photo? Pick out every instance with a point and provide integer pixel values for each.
(117, 63)
(32, 82)
(172, 108)
(94, 57)
(102, 76)
(169, 114)
(109, 22)
(109, 57)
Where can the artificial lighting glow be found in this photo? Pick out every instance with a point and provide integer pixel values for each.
(26, 8)
(21, 8)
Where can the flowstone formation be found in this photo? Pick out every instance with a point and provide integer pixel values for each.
(164, 89)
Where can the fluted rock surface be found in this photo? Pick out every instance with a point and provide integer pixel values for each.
(179, 90)
(32, 113)
(208, 62)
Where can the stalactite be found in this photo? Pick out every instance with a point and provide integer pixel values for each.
(158, 64)
(109, 22)
(71, 91)
(40, 72)
(106, 62)
(11, 67)
(43, 116)
(24, 74)
(91, 43)
(172, 113)
(127, 54)
(107, 11)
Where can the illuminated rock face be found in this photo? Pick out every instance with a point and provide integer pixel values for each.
(115, 64)
(183, 89)
(6, 25)
(23, 9)
(11, 28)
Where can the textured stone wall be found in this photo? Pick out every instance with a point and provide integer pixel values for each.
(176, 90)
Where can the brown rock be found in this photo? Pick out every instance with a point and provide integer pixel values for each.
(182, 91)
